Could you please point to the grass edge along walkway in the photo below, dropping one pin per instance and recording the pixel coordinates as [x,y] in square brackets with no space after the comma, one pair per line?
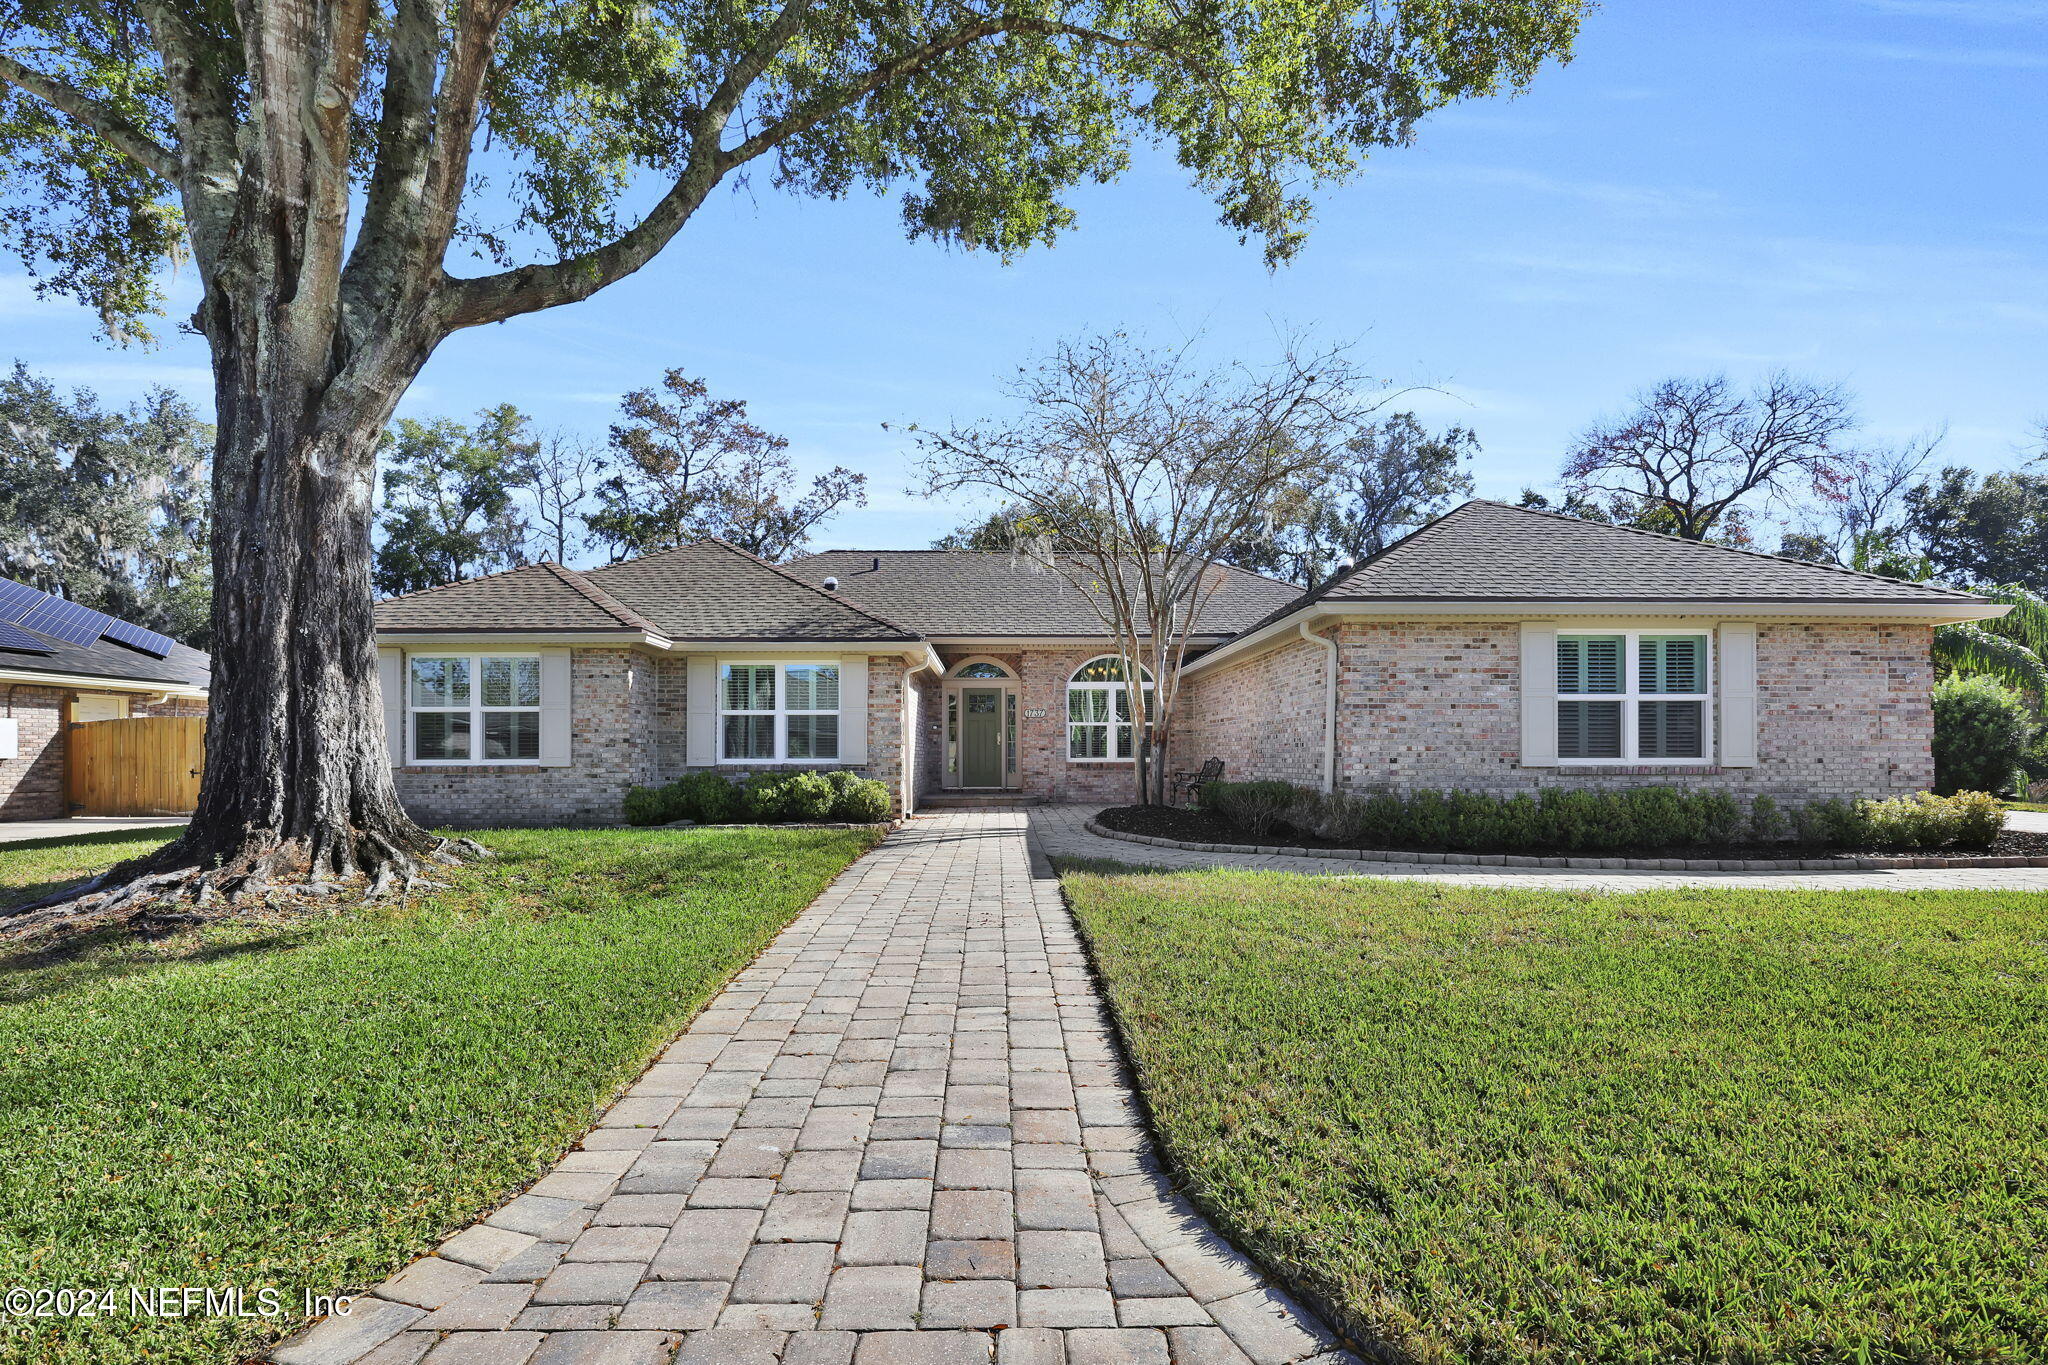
[306,1106]
[1481,1127]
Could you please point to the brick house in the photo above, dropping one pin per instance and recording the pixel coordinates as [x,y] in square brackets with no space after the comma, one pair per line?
[62,665]
[1496,649]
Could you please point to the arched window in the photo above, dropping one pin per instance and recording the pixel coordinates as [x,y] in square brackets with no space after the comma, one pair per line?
[1099,725]
[981,668]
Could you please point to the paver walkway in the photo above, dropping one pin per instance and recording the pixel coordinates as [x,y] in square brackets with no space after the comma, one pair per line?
[902,1136]
[1061,831]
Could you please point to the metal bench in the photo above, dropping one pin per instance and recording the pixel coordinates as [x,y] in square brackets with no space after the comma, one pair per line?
[1190,783]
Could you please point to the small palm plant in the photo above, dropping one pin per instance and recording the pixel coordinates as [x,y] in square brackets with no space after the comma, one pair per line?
[2013,649]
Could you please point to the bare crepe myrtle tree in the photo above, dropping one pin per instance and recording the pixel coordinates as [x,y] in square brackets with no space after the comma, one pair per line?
[1145,467]
[321,164]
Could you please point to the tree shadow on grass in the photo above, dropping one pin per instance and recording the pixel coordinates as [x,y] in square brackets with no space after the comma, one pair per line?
[114,953]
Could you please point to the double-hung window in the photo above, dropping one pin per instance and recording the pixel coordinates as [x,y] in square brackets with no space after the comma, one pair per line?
[1633,696]
[473,708]
[778,713]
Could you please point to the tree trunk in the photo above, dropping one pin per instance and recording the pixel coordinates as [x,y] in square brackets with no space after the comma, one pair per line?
[298,775]
[297,789]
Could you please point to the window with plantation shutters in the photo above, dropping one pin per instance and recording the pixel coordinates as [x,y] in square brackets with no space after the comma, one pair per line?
[1589,666]
[1630,696]
[778,713]
[473,708]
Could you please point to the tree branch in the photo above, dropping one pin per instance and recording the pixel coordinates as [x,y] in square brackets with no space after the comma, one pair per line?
[123,136]
[493,298]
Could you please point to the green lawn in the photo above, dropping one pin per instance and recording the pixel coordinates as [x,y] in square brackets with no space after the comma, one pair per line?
[1547,1127]
[309,1105]
[2027,805]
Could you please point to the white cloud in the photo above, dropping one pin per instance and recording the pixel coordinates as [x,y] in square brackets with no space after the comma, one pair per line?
[2007,58]
[1964,11]
[1634,200]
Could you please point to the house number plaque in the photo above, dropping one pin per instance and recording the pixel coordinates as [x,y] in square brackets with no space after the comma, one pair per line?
[1034,713]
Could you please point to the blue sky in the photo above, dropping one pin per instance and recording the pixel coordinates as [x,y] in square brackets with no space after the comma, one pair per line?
[1854,189]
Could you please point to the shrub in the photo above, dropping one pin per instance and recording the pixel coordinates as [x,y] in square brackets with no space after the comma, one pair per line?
[1982,734]
[1766,820]
[807,796]
[647,806]
[1969,819]
[1257,806]
[861,801]
[762,797]
[705,797]
[1832,823]
[1566,820]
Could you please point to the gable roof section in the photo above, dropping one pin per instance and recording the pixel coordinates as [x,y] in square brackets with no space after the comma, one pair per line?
[711,590]
[1489,551]
[975,594]
[533,597]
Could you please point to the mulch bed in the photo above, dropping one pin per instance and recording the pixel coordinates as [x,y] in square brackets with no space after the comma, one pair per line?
[1205,827]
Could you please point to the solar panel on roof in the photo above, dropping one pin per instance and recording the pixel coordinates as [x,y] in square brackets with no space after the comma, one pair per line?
[17,598]
[70,622]
[21,642]
[135,637]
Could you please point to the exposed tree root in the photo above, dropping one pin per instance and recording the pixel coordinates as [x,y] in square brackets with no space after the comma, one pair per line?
[182,883]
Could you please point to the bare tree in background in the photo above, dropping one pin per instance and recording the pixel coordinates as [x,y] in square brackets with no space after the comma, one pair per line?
[1148,467]
[1704,452]
[557,480]
[1866,518]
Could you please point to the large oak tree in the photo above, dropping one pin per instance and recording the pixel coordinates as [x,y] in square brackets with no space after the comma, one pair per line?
[329,164]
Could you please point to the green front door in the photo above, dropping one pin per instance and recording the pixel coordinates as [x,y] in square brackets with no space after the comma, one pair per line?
[981,737]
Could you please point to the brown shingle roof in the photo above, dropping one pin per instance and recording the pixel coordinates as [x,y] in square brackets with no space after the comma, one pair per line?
[710,590]
[966,592]
[536,597]
[1490,551]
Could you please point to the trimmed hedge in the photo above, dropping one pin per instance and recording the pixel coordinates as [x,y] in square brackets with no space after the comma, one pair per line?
[1567,820]
[707,798]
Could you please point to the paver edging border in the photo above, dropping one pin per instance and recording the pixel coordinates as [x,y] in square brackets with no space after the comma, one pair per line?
[1332,1316]
[1861,862]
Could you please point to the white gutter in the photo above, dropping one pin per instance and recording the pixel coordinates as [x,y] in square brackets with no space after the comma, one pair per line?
[1919,613]
[86,682]
[1329,702]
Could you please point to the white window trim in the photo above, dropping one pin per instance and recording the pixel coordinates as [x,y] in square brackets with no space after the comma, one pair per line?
[1112,723]
[1630,694]
[781,712]
[475,710]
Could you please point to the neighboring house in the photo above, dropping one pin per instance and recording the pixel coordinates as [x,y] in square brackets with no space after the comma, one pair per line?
[62,664]
[1496,649]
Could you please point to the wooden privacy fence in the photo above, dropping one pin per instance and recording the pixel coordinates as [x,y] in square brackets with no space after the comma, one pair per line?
[148,765]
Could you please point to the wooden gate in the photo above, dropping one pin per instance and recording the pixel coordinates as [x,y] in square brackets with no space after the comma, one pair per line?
[148,765]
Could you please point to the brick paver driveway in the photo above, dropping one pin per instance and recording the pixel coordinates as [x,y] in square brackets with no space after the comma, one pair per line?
[902,1136]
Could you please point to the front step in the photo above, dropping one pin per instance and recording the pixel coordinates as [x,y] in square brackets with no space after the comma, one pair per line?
[976,800]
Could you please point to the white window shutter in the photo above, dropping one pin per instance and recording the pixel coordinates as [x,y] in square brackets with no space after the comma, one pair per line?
[853,710]
[1738,694]
[700,702]
[556,694]
[1539,694]
[391,681]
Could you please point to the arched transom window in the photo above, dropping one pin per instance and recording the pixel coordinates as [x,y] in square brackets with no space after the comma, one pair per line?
[981,669]
[1099,711]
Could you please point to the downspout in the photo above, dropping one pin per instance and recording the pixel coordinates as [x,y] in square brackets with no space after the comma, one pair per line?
[908,747]
[1329,704]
